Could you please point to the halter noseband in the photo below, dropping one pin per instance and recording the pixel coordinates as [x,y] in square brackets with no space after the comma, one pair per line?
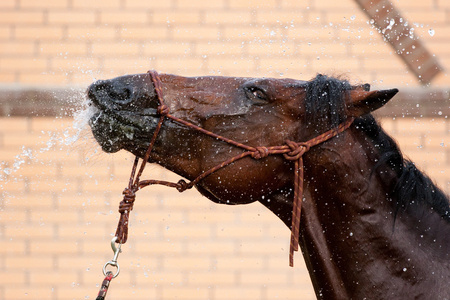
[291,151]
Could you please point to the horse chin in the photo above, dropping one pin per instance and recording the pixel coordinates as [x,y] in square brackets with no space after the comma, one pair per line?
[112,134]
[105,133]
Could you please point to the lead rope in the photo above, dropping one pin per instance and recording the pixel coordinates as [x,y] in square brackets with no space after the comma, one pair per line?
[105,285]
[126,205]
[291,151]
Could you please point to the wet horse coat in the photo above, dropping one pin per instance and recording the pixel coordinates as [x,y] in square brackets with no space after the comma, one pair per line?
[372,225]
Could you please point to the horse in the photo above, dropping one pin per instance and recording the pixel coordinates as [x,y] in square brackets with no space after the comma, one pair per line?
[373,226]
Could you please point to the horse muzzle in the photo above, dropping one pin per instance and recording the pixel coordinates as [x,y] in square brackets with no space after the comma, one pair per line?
[124,111]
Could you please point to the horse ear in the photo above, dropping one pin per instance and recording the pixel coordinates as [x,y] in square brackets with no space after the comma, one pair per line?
[362,102]
[365,87]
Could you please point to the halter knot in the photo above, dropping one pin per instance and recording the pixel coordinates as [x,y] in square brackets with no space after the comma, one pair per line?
[182,185]
[297,150]
[126,205]
[163,110]
[260,152]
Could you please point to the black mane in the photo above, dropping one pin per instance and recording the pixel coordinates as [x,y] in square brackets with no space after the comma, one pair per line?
[325,102]
[412,186]
[325,108]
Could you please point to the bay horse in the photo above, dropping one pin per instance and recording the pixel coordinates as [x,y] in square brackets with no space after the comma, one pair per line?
[372,225]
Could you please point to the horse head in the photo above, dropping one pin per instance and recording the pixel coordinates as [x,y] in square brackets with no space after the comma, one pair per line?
[251,111]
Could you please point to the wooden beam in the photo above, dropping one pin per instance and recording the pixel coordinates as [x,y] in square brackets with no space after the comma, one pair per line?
[400,35]
[65,102]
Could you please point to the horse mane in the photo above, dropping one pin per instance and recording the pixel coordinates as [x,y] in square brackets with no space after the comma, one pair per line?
[325,106]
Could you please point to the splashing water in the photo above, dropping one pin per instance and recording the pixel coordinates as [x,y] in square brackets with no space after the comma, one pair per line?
[18,161]
[51,139]
[81,120]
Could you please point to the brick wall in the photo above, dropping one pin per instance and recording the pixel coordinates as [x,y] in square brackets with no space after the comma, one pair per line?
[74,41]
[58,199]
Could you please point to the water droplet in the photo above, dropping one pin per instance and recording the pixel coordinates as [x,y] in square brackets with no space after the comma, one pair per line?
[404,269]
[431,32]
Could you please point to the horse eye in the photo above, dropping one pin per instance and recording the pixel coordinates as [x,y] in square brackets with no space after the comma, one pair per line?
[256,94]
[259,94]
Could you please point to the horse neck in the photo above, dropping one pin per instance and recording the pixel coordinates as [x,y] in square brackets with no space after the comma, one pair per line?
[350,237]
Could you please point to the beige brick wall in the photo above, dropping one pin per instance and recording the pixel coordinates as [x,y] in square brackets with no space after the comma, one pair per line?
[58,211]
[58,207]
[71,42]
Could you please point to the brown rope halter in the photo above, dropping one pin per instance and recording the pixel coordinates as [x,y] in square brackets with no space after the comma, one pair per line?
[291,151]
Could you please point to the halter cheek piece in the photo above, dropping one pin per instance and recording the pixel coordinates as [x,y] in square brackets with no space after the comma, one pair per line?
[291,151]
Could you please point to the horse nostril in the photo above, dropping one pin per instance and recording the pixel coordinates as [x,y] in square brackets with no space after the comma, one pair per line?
[98,86]
[95,88]
[122,94]
[114,95]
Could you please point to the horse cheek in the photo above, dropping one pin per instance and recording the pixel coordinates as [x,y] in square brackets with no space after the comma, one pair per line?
[246,181]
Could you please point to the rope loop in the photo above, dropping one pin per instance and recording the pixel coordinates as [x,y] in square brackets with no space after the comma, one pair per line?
[163,110]
[126,205]
[305,146]
[260,152]
[297,150]
[182,185]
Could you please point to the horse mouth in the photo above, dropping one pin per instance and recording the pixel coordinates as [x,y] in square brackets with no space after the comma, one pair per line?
[115,128]
[110,133]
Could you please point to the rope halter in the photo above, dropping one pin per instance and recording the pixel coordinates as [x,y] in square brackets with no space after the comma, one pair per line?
[291,151]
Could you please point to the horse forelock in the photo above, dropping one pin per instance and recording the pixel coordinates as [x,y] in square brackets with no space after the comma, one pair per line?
[325,101]
[412,186]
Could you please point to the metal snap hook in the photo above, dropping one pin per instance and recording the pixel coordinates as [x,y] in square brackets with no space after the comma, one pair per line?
[113,262]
